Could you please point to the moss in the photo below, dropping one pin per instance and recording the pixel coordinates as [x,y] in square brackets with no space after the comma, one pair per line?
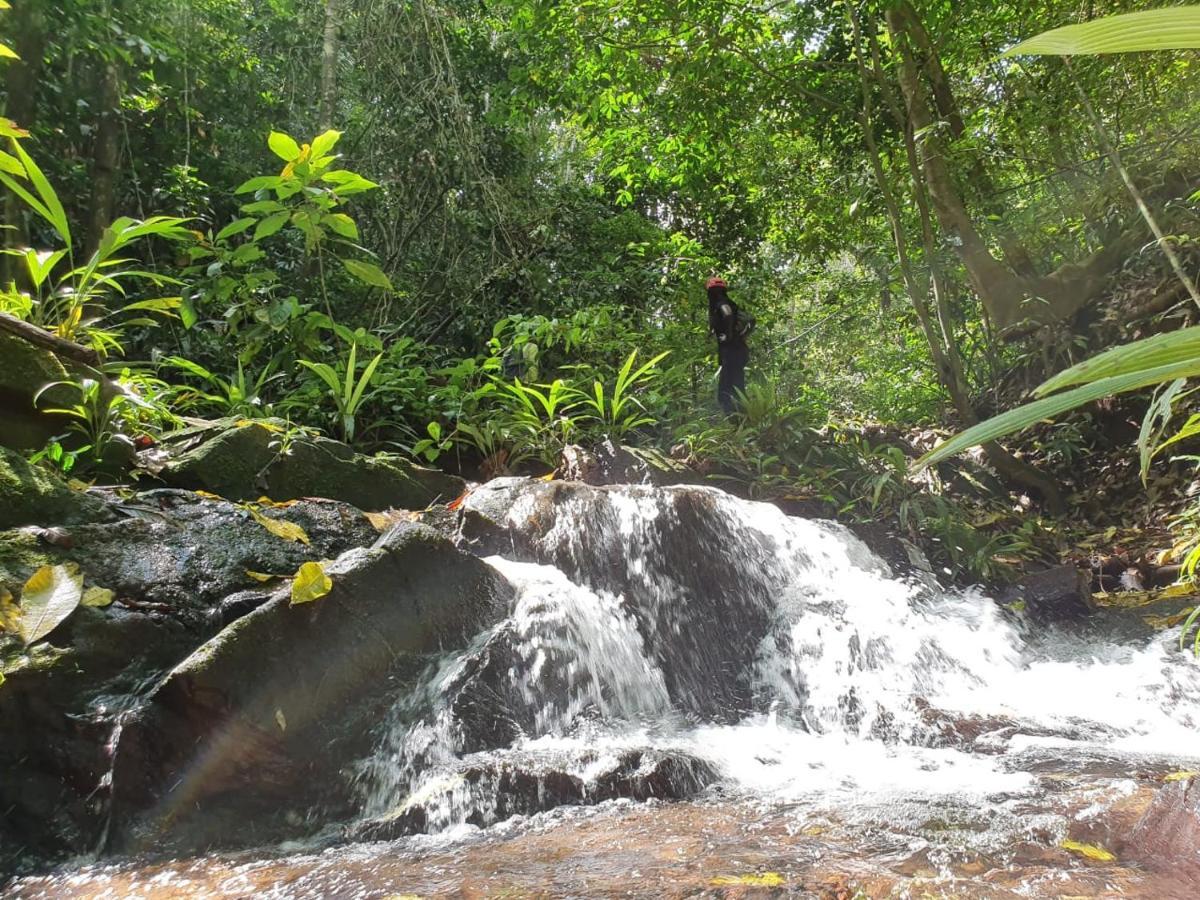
[228,464]
[30,495]
[21,554]
[240,464]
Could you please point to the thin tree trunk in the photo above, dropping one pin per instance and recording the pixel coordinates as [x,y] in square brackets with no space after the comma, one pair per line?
[106,155]
[942,344]
[998,288]
[329,58]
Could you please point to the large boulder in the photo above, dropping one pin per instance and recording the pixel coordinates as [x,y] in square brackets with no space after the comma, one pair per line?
[249,459]
[1167,837]
[25,371]
[666,553]
[609,463]
[1059,594]
[245,740]
[178,564]
[31,495]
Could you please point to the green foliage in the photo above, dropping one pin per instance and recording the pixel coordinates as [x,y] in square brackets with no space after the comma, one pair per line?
[1175,28]
[347,388]
[617,410]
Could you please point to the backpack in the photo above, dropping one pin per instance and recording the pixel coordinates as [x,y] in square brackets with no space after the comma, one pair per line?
[744,324]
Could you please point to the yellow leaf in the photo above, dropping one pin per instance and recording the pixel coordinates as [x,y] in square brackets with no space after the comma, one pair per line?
[269,426]
[275,504]
[289,531]
[76,485]
[379,521]
[1180,776]
[311,583]
[7,52]
[49,596]
[280,720]
[10,613]
[205,495]
[766,879]
[97,596]
[262,577]
[549,476]
[1185,589]
[1091,851]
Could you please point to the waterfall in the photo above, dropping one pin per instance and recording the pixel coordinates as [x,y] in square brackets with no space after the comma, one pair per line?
[662,640]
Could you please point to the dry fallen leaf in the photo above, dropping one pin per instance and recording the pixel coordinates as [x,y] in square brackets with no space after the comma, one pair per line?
[311,583]
[1090,851]
[289,531]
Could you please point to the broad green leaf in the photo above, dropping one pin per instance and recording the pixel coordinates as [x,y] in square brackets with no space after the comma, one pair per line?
[340,223]
[325,142]
[237,226]
[1175,28]
[368,273]
[283,146]
[1090,851]
[262,182]
[348,183]
[159,304]
[311,583]
[289,531]
[263,206]
[50,595]
[1031,413]
[270,225]
[1159,350]
[10,129]
[97,597]
[325,373]
[187,313]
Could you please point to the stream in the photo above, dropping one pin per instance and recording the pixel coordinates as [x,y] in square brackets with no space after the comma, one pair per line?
[693,693]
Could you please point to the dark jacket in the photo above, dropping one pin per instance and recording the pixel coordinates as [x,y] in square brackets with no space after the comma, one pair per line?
[722,319]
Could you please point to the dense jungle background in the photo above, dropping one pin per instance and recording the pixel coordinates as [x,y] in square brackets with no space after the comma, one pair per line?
[477,233]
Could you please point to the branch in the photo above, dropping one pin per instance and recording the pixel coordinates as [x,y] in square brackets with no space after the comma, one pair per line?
[45,339]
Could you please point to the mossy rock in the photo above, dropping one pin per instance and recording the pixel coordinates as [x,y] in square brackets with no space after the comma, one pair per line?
[245,462]
[30,495]
[26,370]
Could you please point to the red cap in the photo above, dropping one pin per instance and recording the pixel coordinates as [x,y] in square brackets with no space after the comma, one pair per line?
[715,281]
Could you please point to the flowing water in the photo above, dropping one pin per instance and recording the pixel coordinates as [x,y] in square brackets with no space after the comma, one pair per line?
[823,728]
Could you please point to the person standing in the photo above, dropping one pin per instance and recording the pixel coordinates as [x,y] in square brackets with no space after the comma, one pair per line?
[732,351]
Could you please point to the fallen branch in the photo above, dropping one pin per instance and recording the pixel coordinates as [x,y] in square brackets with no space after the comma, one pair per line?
[60,346]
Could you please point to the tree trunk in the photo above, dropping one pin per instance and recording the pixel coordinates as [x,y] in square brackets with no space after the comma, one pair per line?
[106,155]
[329,58]
[1000,291]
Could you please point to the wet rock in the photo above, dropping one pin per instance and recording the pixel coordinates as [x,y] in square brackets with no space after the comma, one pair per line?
[172,559]
[258,722]
[1167,837]
[700,616]
[903,557]
[31,495]
[243,462]
[181,554]
[609,463]
[487,788]
[1060,594]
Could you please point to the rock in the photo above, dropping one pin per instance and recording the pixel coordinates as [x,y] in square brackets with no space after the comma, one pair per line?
[903,557]
[182,554]
[254,727]
[1060,594]
[1167,837]
[486,788]
[243,462]
[700,617]
[174,568]
[608,463]
[26,369]
[31,495]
